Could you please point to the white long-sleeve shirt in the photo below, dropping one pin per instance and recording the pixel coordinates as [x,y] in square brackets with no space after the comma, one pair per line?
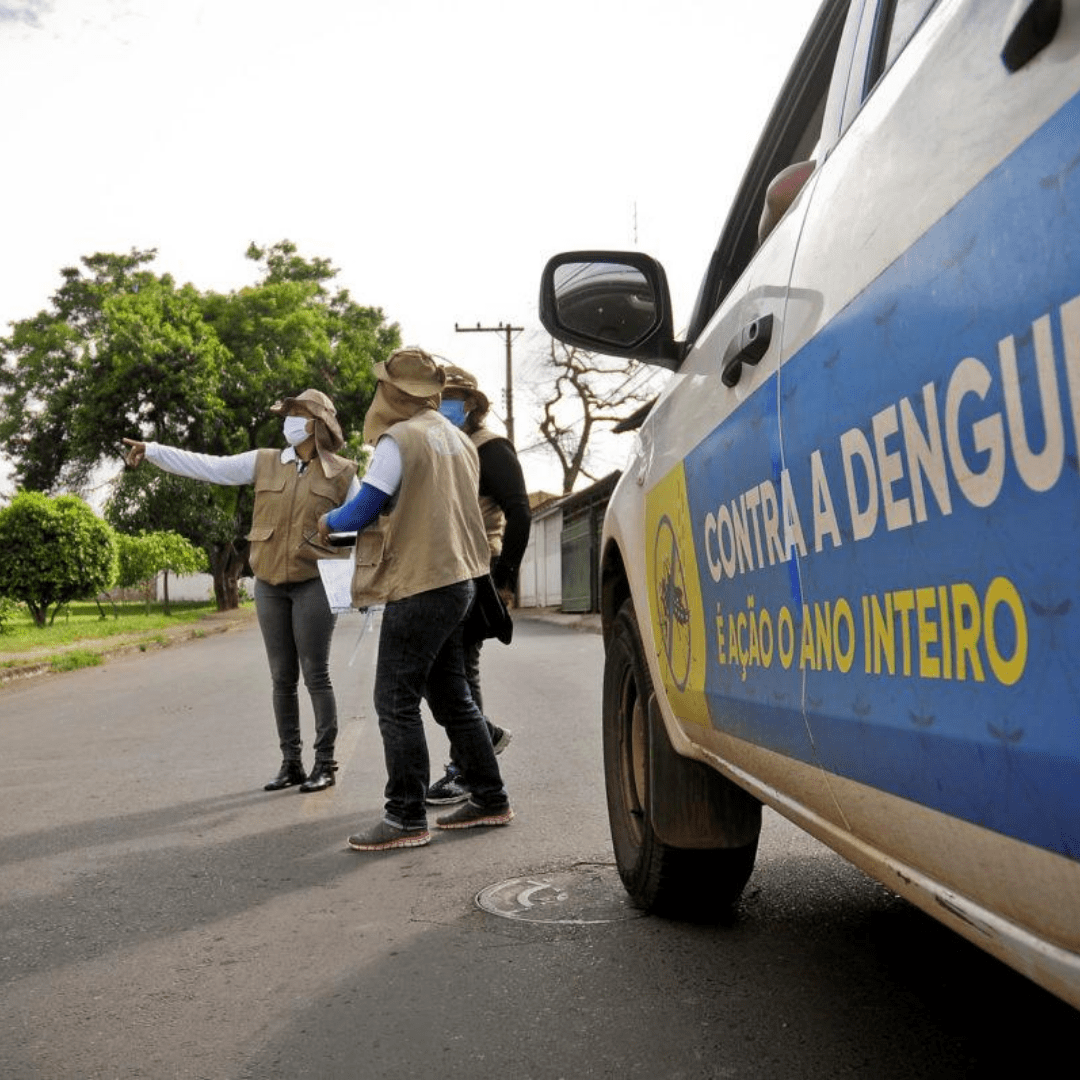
[231,471]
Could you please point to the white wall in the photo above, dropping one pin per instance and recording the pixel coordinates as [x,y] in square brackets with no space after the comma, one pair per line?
[540,576]
[194,587]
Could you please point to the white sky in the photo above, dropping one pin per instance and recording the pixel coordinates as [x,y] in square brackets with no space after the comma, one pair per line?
[436,151]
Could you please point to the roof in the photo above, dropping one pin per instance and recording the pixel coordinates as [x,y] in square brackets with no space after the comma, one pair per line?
[594,493]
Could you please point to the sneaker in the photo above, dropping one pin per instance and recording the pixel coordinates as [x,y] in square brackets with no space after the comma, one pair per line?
[500,740]
[470,816]
[383,836]
[450,789]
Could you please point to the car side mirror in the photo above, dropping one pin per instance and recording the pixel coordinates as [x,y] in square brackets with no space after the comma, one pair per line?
[611,302]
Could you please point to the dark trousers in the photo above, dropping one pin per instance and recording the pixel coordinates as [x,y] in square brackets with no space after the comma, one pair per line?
[421,654]
[472,677]
[297,624]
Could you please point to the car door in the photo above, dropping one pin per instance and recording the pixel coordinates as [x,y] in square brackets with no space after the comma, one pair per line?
[929,414]
[718,573]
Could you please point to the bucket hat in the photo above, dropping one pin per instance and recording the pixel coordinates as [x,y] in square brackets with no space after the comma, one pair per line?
[413,372]
[459,379]
[318,406]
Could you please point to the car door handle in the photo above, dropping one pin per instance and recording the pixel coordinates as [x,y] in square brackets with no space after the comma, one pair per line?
[1031,33]
[747,347]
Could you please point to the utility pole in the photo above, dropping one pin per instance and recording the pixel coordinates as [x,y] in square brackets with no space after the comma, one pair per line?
[506,330]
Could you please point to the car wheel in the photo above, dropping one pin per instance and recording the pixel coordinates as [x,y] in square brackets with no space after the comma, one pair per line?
[693,883]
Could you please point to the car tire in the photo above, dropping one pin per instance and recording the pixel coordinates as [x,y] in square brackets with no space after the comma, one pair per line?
[689,883]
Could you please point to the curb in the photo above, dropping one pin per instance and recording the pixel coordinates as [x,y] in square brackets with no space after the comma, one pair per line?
[589,623]
[218,622]
[222,621]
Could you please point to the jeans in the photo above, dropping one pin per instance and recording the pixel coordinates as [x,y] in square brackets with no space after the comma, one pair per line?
[421,654]
[472,670]
[472,677]
[297,623]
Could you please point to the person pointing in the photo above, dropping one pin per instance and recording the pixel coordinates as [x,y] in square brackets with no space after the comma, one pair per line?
[293,487]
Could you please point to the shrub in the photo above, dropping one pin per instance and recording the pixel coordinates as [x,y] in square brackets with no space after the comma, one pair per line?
[52,551]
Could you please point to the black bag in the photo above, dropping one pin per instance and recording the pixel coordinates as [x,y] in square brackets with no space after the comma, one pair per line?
[488,616]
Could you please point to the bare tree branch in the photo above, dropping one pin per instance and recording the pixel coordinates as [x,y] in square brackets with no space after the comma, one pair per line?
[588,393]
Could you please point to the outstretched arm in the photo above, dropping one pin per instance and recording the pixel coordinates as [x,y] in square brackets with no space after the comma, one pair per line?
[234,470]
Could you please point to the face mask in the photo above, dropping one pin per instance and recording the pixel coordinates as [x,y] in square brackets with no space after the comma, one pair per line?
[296,429]
[454,411]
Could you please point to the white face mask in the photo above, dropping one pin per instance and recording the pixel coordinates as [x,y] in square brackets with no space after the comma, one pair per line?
[296,429]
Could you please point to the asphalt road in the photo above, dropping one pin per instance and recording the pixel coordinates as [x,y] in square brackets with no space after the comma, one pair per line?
[163,917]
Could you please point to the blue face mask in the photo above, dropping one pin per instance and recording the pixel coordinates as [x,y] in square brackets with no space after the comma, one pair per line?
[454,411]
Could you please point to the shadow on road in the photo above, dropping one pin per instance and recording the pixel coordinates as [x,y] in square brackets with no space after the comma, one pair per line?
[796,985]
[114,883]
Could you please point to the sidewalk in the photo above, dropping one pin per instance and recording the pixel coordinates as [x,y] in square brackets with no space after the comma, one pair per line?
[25,665]
[589,623]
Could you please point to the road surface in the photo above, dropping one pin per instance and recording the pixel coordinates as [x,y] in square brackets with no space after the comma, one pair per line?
[163,917]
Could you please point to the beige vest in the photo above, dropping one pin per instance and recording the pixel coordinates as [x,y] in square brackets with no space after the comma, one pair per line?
[433,535]
[494,518]
[288,506]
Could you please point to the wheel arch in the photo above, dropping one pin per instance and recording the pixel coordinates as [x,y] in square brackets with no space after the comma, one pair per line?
[614,586]
[691,805]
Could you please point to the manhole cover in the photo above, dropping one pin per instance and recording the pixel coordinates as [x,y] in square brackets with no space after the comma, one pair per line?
[580,895]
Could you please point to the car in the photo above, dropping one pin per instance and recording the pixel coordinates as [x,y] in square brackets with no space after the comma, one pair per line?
[839,574]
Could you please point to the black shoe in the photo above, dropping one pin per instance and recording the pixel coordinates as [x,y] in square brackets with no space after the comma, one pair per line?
[322,776]
[450,789]
[291,772]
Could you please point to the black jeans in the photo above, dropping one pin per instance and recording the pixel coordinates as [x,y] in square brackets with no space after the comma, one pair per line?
[472,677]
[421,654]
[297,624]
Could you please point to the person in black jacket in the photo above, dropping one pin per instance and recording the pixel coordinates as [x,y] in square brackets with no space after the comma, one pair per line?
[507,519]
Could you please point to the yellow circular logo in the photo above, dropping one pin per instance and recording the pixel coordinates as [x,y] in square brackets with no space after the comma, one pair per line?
[672,611]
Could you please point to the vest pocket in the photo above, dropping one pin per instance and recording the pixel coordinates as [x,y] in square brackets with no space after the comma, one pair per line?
[312,549]
[270,483]
[370,545]
[325,489]
[258,535]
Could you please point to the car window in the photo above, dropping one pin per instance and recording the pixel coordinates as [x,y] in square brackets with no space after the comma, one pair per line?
[792,132]
[897,22]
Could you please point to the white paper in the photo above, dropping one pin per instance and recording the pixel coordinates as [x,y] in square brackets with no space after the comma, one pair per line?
[337,577]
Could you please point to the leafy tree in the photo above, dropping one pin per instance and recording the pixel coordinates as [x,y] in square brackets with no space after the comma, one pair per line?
[53,551]
[145,556]
[8,610]
[122,351]
[120,346]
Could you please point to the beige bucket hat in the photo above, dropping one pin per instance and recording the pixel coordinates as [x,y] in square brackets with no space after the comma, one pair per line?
[413,372]
[316,405]
[459,379]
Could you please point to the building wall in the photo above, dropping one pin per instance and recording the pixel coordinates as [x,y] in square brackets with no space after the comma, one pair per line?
[540,576]
[194,587]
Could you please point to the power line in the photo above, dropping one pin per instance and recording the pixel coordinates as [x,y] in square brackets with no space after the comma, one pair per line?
[506,330]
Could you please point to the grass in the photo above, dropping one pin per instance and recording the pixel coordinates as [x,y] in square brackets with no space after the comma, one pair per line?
[83,622]
[77,658]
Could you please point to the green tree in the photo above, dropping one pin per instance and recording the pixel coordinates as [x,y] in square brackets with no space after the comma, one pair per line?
[145,556]
[118,346]
[53,551]
[122,351]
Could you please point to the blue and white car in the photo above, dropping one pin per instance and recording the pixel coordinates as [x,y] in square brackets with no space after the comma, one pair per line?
[840,572]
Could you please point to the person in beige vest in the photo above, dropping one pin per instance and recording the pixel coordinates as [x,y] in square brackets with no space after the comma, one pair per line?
[420,546]
[504,503]
[293,488]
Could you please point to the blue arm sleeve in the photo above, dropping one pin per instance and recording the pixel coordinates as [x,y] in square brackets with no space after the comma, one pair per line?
[358,512]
